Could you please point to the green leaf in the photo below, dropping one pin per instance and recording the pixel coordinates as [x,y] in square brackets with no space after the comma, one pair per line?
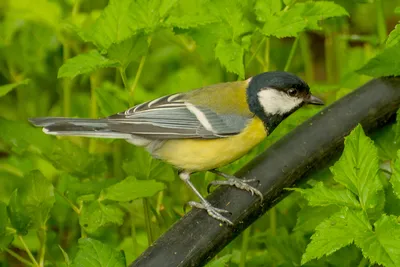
[382,245]
[336,232]
[358,167]
[320,195]
[19,218]
[230,54]
[114,25]
[94,253]
[37,197]
[384,64]
[131,189]
[65,255]
[128,50]
[96,214]
[3,218]
[5,89]
[395,178]
[308,218]
[266,8]
[85,63]
[143,166]
[394,36]
[165,7]
[299,17]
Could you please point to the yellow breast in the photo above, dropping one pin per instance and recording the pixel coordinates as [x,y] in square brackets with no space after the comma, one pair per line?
[202,154]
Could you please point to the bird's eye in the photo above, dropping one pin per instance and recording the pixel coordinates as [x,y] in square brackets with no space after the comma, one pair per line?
[292,92]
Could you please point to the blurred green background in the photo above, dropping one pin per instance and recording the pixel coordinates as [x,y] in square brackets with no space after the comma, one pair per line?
[87,58]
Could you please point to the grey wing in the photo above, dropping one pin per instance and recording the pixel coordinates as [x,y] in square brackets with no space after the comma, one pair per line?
[173,117]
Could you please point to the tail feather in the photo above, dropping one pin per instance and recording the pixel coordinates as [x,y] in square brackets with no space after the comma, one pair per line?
[77,127]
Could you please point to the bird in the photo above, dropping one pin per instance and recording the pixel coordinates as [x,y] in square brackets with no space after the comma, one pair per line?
[202,129]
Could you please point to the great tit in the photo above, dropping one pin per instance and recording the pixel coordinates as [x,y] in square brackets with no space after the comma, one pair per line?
[200,130]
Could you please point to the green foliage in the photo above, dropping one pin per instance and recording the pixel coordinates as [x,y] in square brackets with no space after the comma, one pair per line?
[97,58]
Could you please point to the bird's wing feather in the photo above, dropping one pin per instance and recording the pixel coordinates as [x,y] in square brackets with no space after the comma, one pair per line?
[175,117]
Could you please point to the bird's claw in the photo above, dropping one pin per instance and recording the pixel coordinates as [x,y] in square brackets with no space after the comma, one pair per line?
[239,183]
[212,211]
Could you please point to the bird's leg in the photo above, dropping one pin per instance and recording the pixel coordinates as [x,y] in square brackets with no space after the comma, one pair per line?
[204,204]
[234,181]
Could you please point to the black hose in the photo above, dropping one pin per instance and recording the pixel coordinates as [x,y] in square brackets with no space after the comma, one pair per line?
[197,238]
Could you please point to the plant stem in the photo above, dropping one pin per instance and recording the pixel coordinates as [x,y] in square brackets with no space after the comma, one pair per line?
[93,107]
[133,236]
[139,71]
[291,54]
[66,83]
[245,246]
[255,52]
[330,58]
[18,257]
[272,220]
[123,77]
[28,251]
[307,57]
[267,55]
[117,159]
[149,230]
[42,237]
[381,25]
[76,6]
[75,208]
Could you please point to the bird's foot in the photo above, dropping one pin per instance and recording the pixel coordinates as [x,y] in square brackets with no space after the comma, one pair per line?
[212,211]
[236,182]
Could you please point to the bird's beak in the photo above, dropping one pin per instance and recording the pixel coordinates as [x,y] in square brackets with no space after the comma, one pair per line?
[314,100]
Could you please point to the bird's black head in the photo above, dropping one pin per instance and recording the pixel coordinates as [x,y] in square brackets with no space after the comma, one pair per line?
[272,96]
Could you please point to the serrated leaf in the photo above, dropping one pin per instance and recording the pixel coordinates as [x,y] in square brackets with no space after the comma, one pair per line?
[5,89]
[37,197]
[266,8]
[145,167]
[96,214]
[394,36]
[358,167]
[19,218]
[85,63]
[308,218]
[299,17]
[94,253]
[395,178]
[382,245]
[165,7]
[128,50]
[321,195]
[131,189]
[336,232]
[230,54]
[384,64]
[114,25]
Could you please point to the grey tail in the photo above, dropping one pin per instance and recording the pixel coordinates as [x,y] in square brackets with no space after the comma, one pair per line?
[77,127]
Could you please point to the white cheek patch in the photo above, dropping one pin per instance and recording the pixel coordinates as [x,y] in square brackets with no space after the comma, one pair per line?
[277,102]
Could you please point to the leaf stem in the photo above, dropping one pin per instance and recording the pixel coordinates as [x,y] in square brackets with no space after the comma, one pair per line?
[267,55]
[18,257]
[255,52]
[245,246]
[75,208]
[330,58]
[28,251]
[122,72]
[291,54]
[149,230]
[381,25]
[66,83]
[139,71]
[93,107]
[272,220]
[42,237]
